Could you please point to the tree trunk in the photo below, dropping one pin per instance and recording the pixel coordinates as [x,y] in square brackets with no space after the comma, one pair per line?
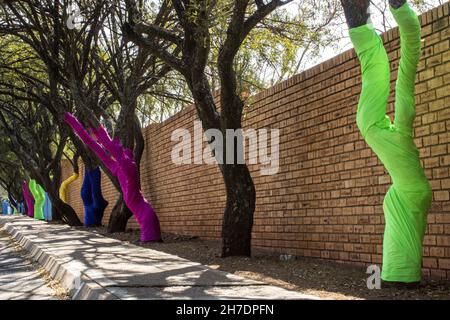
[139,144]
[119,216]
[56,215]
[65,211]
[11,200]
[240,206]
[129,131]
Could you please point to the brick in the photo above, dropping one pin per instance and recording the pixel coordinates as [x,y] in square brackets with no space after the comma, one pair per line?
[441,46]
[438,273]
[430,263]
[444,160]
[426,74]
[440,173]
[443,241]
[444,264]
[437,81]
[441,195]
[443,91]
[430,62]
[442,69]
[437,252]
[438,150]
[436,128]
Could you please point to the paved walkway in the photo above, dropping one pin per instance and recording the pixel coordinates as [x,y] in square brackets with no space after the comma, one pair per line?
[92,266]
[18,277]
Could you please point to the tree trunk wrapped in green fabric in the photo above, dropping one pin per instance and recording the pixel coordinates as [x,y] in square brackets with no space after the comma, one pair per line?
[409,197]
[39,198]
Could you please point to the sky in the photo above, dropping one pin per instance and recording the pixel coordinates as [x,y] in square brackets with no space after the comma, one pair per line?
[377,20]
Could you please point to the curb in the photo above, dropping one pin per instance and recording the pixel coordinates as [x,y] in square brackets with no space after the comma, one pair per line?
[56,255]
[80,287]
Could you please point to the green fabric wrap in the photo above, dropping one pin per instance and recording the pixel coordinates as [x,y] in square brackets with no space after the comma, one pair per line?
[39,198]
[408,199]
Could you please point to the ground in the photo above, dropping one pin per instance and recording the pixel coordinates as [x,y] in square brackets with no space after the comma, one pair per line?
[22,279]
[317,277]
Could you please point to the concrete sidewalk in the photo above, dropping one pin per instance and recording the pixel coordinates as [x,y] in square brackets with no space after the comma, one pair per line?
[19,280]
[92,266]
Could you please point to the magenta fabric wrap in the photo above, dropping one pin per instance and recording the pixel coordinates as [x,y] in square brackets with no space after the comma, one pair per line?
[121,163]
[29,199]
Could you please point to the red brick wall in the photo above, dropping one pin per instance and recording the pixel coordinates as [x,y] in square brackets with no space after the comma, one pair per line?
[326,200]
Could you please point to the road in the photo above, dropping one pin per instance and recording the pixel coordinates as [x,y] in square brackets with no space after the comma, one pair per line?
[19,279]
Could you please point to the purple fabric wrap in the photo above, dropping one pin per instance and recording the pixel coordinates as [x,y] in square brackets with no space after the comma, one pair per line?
[122,165]
[29,199]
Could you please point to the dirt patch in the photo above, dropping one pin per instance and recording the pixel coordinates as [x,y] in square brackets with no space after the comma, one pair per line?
[59,292]
[325,279]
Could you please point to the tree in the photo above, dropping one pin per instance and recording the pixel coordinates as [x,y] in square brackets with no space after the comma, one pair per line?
[25,101]
[34,138]
[11,171]
[71,79]
[126,72]
[191,32]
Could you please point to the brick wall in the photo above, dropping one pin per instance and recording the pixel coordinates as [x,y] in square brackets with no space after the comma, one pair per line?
[326,200]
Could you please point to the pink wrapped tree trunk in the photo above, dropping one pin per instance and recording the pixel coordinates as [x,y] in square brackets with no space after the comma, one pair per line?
[120,161]
[29,199]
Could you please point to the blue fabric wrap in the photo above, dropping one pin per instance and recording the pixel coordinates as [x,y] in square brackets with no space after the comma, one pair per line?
[99,203]
[86,196]
[93,201]
[47,208]
[5,207]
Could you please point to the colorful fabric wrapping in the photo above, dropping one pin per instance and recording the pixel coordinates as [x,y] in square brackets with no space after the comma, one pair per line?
[65,186]
[29,199]
[93,201]
[121,164]
[5,206]
[39,198]
[47,208]
[408,199]
[10,209]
